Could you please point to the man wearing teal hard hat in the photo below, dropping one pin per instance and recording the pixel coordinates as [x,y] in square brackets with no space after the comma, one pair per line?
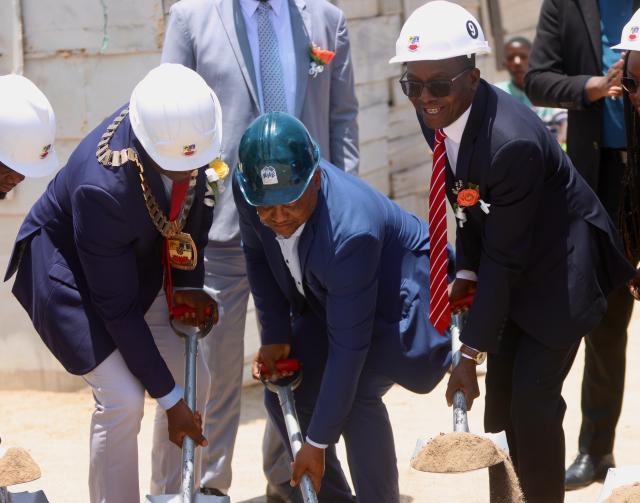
[340,276]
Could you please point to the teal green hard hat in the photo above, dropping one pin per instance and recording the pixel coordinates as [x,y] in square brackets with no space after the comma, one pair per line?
[277,159]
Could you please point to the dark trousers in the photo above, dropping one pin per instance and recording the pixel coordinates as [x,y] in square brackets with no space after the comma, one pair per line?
[605,347]
[523,398]
[367,432]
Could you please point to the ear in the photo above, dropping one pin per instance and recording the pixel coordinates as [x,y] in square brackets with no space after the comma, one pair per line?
[474,75]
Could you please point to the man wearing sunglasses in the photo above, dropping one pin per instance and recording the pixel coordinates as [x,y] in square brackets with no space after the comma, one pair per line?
[573,65]
[532,241]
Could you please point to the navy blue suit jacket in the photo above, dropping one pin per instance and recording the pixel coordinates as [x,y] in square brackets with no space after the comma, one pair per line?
[547,254]
[365,274]
[88,261]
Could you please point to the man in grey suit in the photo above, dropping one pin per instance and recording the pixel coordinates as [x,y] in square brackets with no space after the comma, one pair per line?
[256,55]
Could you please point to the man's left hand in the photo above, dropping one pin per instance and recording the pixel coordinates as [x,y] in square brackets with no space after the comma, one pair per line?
[200,301]
[463,378]
[309,460]
[634,285]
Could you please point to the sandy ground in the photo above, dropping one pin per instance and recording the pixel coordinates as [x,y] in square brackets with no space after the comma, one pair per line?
[55,429]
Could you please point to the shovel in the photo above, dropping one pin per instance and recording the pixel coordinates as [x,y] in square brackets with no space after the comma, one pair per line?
[460,451]
[287,403]
[617,478]
[17,467]
[191,335]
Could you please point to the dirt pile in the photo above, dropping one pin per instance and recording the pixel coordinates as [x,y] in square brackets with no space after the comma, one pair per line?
[625,494]
[463,452]
[17,466]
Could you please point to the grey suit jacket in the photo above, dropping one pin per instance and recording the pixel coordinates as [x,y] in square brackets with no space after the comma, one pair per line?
[209,36]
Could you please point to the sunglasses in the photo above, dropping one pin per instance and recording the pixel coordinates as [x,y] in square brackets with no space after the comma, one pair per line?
[630,85]
[437,88]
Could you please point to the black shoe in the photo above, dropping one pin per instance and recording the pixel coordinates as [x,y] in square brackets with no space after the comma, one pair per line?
[586,470]
[283,493]
[208,491]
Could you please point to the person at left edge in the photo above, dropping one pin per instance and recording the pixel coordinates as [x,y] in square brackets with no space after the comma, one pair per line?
[340,277]
[27,132]
[88,264]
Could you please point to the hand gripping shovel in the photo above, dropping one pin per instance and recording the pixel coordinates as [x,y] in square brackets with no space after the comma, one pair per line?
[191,336]
[287,403]
[460,451]
[18,467]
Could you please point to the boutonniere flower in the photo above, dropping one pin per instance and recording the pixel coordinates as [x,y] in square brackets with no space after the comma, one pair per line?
[467,197]
[319,59]
[215,174]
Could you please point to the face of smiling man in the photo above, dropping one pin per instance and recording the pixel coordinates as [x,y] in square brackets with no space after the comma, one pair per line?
[8,178]
[440,112]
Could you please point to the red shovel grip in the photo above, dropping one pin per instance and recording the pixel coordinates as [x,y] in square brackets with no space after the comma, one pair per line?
[288,365]
[463,302]
[182,309]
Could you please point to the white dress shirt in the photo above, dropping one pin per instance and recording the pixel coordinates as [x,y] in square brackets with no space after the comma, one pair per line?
[281,20]
[289,248]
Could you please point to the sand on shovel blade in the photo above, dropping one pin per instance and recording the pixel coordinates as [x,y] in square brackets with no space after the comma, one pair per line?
[625,494]
[463,452]
[17,466]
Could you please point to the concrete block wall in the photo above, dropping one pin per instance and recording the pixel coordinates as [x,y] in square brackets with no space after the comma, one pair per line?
[88,70]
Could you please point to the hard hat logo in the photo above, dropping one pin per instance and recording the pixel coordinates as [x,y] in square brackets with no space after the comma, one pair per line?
[414,43]
[633,32]
[472,29]
[269,176]
[189,150]
[45,151]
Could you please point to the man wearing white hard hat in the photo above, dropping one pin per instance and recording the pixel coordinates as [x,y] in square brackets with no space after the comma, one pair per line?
[92,253]
[27,132]
[532,241]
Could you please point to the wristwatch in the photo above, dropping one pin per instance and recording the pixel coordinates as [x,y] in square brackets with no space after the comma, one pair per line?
[477,356]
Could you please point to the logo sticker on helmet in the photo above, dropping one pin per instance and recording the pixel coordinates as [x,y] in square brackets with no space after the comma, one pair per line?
[269,175]
[414,43]
[472,29]
[189,150]
[45,151]
[633,32]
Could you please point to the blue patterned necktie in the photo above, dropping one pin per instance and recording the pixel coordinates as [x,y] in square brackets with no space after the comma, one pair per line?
[273,94]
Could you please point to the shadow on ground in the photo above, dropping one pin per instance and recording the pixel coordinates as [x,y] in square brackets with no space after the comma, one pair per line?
[261,499]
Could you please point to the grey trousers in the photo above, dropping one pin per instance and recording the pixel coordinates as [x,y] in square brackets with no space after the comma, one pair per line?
[223,349]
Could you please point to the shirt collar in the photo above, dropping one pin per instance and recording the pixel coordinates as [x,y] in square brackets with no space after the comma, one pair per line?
[455,130]
[295,235]
[251,6]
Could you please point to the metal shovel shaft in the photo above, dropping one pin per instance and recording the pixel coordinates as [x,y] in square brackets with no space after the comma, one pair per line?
[285,396]
[460,422]
[188,447]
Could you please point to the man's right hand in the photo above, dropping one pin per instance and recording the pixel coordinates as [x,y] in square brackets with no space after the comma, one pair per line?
[267,357]
[465,379]
[460,288]
[609,85]
[183,422]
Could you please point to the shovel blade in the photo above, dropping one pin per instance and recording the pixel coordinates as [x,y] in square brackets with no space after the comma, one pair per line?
[197,498]
[500,439]
[618,477]
[37,497]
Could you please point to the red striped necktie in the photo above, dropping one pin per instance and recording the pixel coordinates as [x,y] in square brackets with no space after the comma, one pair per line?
[439,314]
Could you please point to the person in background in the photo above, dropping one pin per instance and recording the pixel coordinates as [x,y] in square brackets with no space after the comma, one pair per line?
[516,61]
[573,65]
[259,56]
[629,214]
[27,133]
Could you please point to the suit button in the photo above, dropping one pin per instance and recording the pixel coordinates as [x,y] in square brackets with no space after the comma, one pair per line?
[596,146]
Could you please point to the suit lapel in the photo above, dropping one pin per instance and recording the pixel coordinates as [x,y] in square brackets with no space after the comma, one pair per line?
[591,14]
[471,130]
[301,30]
[233,22]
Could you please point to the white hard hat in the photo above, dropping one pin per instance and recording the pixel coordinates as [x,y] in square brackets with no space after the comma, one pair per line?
[27,128]
[439,30]
[177,118]
[630,38]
